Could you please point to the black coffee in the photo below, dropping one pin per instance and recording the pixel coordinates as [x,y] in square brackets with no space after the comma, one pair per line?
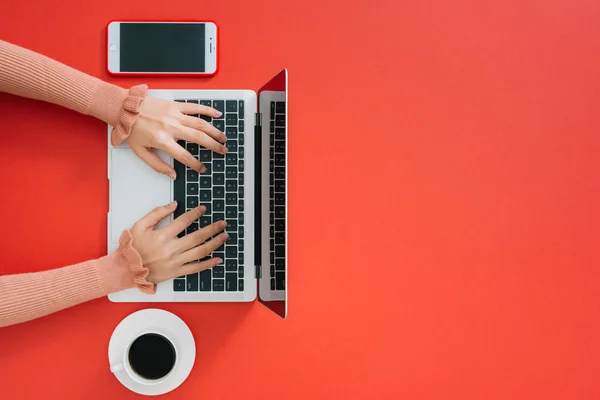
[152,356]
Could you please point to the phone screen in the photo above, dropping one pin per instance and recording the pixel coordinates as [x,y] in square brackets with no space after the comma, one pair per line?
[163,47]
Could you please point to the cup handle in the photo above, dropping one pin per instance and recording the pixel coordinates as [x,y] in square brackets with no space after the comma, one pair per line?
[116,368]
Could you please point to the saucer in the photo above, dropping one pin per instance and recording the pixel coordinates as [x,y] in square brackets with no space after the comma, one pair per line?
[155,320]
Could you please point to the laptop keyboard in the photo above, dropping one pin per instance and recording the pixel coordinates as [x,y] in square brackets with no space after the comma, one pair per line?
[221,190]
[277,194]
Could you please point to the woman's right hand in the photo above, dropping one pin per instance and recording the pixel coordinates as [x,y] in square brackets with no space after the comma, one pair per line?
[164,254]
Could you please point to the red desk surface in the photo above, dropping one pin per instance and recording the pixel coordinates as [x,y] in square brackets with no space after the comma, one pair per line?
[444,197]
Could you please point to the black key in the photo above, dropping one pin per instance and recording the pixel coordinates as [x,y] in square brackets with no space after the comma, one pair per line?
[219,179]
[271,165]
[232,145]
[231,106]
[179,285]
[280,238]
[205,155]
[241,178]
[217,156]
[208,103]
[232,225]
[241,259]
[280,120]
[279,147]
[272,206]
[272,258]
[272,231]
[205,182]
[205,221]
[232,239]
[279,160]
[218,192]
[271,179]
[241,283]
[241,152]
[241,165]
[272,140]
[230,212]
[241,231]
[219,205]
[232,133]
[231,265]
[192,148]
[231,251]
[231,173]
[271,191]
[208,168]
[272,218]
[271,152]
[241,272]
[280,199]
[272,283]
[241,205]
[192,189]
[195,102]
[272,271]
[208,208]
[219,165]
[279,212]
[180,101]
[231,282]
[205,196]
[280,225]
[241,244]
[219,254]
[191,202]
[192,283]
[272,110]
[241,192]
[192,176]
[205,284]
[280,172]
[241,124]
[218,271]
[241,108]
[280,280]
[192,228]
[280,133]
[241,139]
[218,285]
[218,217]
[279,251]
[231,159]
[219,124]
[219,105]
[231,119]
[231,185]
[279,186]
[280,107]
[241,218]
[272,126]
[280,264]
[272,245]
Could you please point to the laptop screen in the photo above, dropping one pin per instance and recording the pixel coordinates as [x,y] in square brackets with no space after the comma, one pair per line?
[273,109]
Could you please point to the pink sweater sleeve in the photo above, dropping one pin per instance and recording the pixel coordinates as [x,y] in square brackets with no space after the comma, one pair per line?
[27,296]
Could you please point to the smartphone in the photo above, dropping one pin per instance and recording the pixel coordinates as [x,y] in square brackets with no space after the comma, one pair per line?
[180,48]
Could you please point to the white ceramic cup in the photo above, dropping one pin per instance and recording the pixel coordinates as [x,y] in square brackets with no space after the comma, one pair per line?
[125,365]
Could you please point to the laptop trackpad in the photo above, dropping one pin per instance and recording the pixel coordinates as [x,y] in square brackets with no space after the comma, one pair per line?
[135,189]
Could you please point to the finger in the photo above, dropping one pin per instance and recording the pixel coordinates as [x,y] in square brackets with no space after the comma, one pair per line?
[182,155]
[183,221]
[192,135]
[154,161]
[192,108]
[203,250]
[201,125]
[193,267]
[150,220]
[201,235]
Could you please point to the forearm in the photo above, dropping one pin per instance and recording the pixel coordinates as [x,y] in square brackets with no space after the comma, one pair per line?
[25,297]
[29,74]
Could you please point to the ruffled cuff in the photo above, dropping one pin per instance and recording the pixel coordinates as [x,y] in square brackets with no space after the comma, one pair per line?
[123,269]
[129,114]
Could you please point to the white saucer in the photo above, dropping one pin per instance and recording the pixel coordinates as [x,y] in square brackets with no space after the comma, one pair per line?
[161,321]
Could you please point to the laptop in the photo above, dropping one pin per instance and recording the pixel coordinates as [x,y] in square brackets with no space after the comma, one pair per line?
[247,187]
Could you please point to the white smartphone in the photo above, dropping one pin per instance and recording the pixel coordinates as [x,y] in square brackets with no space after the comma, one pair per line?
[181,48]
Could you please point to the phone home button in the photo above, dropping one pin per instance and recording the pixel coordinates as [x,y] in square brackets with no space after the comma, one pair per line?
[113,47]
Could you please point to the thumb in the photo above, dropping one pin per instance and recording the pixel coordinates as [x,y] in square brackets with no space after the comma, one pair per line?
[154,161]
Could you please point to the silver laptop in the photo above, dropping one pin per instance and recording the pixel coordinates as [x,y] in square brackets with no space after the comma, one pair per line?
[247,187]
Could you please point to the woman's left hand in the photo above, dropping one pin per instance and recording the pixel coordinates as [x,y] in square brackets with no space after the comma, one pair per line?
[161,123]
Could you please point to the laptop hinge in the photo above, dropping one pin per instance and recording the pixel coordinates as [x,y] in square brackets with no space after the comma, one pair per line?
[257,192]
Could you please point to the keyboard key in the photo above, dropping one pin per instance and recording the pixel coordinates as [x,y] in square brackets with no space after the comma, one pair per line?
[280,160]
[231,172]
[208,208]
[218,217]
[271,152]
[205,182]
[280,120]
[218,192]
[272,231]
[231,265]
[241,218]
[179,285]
[192,283]
[192,228]
[205,155]
[180,101]
[272,258]
[231,119]
[231,251]
[232,239]
[272,206]
[231,185]
[230,212]
[280,264]
[241,140]
[279,251]
[280,172]
[272,126]
[241,152]
[219,105]
[241,108]
[280,225]
[272,245]
[241,205]
[232,225]
[218,271]
[208,103]
[219,179]
[241,232]
[279,212]
[280,238]
[279,186]
[241,259]
[205,196]
[192,189]
[231,159]
[241,192]
[219,254]
[272,114]
[191,202]
[218,285]
[280,107]
[241,272]
[219,124]
[241,166]
[272,140]
[219,205]
[280,133]
[219,165]
[208,168]
[192,176]
[231,282]
[205,221]
[271,191]
[272,179]
[279,199]
[272,271]
[232,133]
[192,148]
[232,145]
[241,283]
[272,283]
[280,280]
[272,218]
[205,281]
[241,244]
[231,106]
[279,146]
[241,124]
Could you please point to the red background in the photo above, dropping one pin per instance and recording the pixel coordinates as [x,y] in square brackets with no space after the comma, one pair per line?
[444,190]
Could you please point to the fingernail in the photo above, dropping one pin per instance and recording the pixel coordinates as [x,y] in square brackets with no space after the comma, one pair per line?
[172,204]
[202,208]
[218,113]
[224,138]
[202,169]
[172,175]
[224,149]
[224,236]
[223,224]
[219,261]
